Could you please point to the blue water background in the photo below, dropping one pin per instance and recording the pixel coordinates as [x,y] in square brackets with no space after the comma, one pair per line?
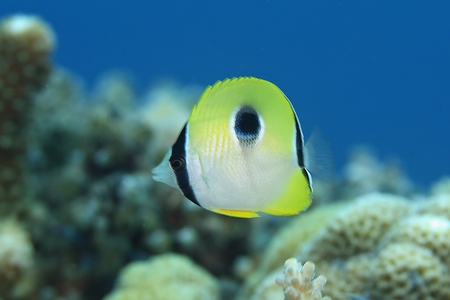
[365,72]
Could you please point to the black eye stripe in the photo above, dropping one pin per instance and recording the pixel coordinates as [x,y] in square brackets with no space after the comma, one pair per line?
[247,125]
[178,165]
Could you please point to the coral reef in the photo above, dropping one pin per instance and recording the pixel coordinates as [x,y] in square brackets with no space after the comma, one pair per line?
[85,164]
[78,204]
[380,247]
[165,277]
[285,243]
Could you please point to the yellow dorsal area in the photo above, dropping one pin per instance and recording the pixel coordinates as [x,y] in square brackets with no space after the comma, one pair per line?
[217,103]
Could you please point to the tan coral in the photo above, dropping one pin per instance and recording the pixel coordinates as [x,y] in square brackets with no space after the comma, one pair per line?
[25,46]
[267,289]
[382,247]
[299,231]
[165,277]
[165,110]
[357,229]
[408,271]
[285,243]
[429,231]
[442,187]
[16,257]
[438,205]
[334,234]
[348,277]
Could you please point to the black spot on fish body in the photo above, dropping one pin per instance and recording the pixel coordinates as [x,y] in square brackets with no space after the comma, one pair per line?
[247,125]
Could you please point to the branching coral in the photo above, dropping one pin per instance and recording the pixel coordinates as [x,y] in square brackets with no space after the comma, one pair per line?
[299,282]
[25,46]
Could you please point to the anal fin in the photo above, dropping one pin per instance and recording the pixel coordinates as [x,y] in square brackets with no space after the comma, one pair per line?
[236,213]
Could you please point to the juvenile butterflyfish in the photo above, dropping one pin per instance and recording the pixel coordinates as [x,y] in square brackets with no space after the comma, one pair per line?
[241,152]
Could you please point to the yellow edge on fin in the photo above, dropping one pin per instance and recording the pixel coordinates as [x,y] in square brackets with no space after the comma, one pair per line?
[236,213]
[296,197]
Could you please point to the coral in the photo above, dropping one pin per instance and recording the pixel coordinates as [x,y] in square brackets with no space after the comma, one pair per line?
[409,271]
[380,247]
[429,231]
[299,282]
[297,232]
[267,289]
[348,277]
[167,276]
[166,109]
[90,160]
[26,43]
[16,257]
[438,205]
[442,187]
[357,229]
[286,240]
[364,174]
[75,182]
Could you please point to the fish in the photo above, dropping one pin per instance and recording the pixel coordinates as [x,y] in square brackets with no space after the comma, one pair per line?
[241,152]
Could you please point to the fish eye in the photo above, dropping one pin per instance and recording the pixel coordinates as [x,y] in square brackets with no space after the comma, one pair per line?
[177,164]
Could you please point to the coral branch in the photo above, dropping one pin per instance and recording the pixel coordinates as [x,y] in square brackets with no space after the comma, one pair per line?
[299,282]
[25,45]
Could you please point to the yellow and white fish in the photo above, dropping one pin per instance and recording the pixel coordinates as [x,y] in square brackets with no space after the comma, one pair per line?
[241,152]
